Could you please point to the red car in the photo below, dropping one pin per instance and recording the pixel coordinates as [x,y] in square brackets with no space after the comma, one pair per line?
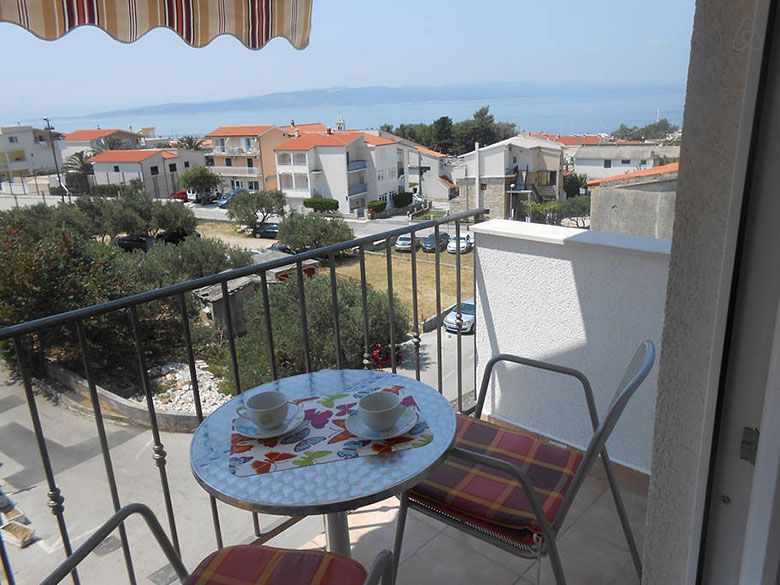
[178,196]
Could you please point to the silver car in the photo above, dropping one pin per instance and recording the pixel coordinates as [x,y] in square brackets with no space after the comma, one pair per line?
[467,315]
[404,243]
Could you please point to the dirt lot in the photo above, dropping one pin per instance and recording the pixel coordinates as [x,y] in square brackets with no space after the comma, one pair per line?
[226,232]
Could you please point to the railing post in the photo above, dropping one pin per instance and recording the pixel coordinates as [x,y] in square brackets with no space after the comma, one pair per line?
[335,305]
[458,316]
[366,355]
[304,322]
[416,335]
[440,385]
[390,308]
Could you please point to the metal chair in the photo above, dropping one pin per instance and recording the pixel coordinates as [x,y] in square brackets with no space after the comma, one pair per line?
[514,490]
[250,564]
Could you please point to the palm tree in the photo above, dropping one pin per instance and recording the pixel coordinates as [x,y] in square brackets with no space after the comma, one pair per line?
[109,143]
[77,171]
[190,143]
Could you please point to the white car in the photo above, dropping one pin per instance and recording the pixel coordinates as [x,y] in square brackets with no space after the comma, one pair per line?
[462,245]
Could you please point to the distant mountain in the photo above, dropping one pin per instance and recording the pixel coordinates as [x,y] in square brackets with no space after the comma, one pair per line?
[379,95]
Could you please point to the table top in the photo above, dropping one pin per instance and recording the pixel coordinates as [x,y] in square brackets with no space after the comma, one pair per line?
[330,487]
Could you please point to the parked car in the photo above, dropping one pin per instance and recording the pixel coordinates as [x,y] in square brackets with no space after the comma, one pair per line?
[175,236]
[404,243]
[281,247]
[267,230]
[223,201]
[431,245]
[461,245]
[130,243]
[466,314]
[178,196]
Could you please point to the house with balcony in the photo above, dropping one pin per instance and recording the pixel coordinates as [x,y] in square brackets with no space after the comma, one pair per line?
[243,156]
[502,175]
[350,167]
[432,172]
[158,169]
[90,141]
[25,150]
[599,161]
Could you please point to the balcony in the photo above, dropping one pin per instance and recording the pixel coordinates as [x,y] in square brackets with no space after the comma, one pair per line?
[235,151]
[356,165]
[236,171]
[357,189]
[91,461]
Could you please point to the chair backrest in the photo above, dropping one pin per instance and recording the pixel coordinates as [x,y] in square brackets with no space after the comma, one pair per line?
[638,369]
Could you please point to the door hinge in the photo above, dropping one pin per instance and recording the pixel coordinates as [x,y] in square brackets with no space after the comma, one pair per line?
[749,445]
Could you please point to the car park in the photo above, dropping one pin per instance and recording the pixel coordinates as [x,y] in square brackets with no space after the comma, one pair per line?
[431,245]
[404,243]
[139,242]
[467,315]
[175,236]
[460,245]
[267,230]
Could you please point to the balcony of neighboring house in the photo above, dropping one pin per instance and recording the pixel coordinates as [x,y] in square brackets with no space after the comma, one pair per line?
[356,165]
[579,323]
[358,189]
[237,171]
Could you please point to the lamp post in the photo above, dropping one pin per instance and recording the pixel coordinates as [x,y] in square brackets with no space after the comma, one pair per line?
[49,127]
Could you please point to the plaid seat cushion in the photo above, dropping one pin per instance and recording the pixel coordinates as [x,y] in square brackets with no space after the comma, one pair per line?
[490,498]
[263,565]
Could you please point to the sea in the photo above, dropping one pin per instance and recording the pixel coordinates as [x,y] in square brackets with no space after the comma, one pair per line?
[565,114]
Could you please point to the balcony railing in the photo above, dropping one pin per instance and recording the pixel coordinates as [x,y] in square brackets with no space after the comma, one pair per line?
[235,151]
[19,334]
[237,171]
[357,189]
[356,165]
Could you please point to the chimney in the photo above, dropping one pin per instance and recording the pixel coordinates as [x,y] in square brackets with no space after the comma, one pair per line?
[297,133]
[292,123]
[330,131]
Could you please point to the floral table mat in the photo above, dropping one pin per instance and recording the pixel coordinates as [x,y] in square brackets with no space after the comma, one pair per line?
[322,437]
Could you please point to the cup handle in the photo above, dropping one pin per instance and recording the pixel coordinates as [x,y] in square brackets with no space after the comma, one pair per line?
[241,411]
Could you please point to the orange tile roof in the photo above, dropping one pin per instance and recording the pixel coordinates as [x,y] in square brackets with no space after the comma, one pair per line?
[239,130]
[430,152]
[90,134]
[670,168]
[572,140]
[309,141]
[377,140]
[447,182]
[169,154]
[315,128]
[123,155]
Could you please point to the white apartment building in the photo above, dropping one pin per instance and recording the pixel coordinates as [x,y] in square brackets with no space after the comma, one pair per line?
[351,167]
[24,150]
[158,169]
[436,181]
[606,160]
[89,140]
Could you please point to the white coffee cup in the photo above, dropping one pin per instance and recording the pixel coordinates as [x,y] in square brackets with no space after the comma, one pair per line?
[266,409]
[379,411]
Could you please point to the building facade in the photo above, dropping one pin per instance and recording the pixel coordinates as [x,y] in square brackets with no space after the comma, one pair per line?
[90,141]
[606,160]
[25,150]
[158,169]
[243,156]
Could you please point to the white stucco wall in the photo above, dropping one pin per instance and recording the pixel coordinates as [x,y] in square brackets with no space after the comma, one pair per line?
[578,298]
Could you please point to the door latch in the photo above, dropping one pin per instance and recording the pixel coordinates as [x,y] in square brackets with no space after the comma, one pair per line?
[749,445]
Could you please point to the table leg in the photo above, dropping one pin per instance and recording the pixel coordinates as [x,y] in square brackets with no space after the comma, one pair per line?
[337,533]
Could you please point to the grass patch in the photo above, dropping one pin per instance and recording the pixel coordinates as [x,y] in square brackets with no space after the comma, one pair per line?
[431,214]
[216,229]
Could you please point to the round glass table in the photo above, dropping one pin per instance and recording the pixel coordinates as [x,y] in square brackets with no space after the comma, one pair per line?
[330,488]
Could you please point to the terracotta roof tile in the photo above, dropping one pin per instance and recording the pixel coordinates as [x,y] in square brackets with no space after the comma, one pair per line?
[123,155]
[309,141]
[239,130]
[670,168]
[169,154]
[447,182]
[571,140]
[90,134]
[315,128]
[378,140]
[430,152]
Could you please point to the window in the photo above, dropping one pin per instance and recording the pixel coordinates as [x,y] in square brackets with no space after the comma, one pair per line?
[301,182]
[250,163]
[483,187]
[116,168]
[546,178]
[239,184]
[514,160]
[154,170]
[254,186]
[625,161]
[285,158]
[607,164]
[287,181]
[380,175]
[643,162]
[172,167]
[186,164]
[228,162]
[13,139]
[299,158]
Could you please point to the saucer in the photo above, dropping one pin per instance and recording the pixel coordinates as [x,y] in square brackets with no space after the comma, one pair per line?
[248,428]
[405,422]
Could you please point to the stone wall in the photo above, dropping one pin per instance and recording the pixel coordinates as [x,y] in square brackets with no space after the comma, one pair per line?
[492,197]
[637,209]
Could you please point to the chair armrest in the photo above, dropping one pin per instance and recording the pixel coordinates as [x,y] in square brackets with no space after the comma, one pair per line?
[381,568]
[518,475]
[505,357]
[107,528]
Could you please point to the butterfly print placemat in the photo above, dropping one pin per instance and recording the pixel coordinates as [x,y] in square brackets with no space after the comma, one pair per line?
[322,437]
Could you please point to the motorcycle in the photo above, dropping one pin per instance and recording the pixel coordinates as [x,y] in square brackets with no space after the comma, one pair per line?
[381,357]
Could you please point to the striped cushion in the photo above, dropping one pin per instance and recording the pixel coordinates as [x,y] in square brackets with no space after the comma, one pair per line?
[490,498]
[263,565]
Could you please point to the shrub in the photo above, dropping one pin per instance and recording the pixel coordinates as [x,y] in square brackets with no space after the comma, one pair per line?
[307,232]
[377,206]
[321,204]
[402,199]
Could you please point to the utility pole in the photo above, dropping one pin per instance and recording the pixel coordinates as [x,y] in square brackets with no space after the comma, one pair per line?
[49,127]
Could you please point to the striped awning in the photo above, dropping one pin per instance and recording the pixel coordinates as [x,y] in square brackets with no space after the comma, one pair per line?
[197,22]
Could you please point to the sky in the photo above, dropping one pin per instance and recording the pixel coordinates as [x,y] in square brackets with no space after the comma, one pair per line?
[355,43]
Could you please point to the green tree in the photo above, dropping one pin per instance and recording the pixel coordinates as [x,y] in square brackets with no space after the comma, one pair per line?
[441,135]
[110,142]
[190,142]
[655,131]
[307,232]
[285,323]
[252,208]
[387,128]
[200,179]
[572,183]
[131,213]
[173,217]
[321,204]
[77,171]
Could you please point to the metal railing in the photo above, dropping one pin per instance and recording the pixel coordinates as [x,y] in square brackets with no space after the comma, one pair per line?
[237,171]
[356,165]
[76,319]
[357,189]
